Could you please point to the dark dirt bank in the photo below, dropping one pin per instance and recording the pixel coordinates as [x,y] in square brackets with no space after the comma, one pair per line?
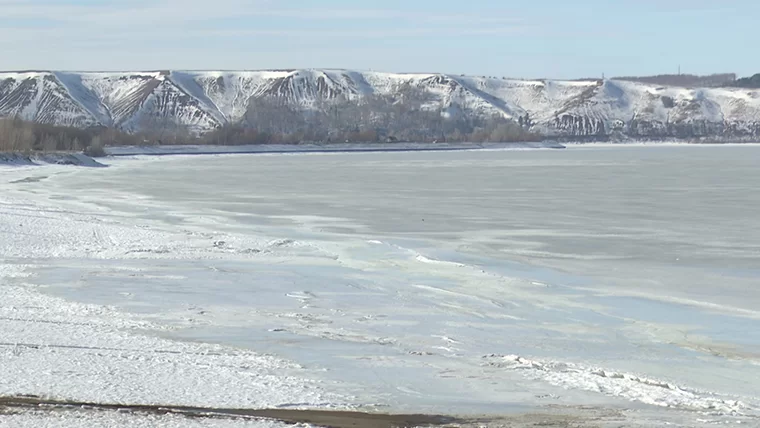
[552,418]
[337,419]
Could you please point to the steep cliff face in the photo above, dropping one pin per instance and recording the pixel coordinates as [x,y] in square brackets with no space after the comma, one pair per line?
[202,101]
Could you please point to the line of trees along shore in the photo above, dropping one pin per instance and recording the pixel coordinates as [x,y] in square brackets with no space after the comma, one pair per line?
[408,115]
[18,135]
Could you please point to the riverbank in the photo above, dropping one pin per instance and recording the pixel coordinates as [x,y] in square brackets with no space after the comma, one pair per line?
[323,148]
[56,158]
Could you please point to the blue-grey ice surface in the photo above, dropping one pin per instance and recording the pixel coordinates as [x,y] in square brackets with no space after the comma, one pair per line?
[468,282]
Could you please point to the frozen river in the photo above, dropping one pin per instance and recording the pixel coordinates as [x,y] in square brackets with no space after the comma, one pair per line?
[451,282]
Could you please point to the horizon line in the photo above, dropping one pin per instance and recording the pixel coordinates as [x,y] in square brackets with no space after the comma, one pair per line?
[293,69]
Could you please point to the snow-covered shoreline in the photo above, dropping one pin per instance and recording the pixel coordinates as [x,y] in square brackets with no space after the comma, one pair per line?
[386,147]
[665,143]
[322,148]
[79,159]
[23,159]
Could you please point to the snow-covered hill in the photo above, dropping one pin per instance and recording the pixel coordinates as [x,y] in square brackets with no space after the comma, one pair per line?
[202,100]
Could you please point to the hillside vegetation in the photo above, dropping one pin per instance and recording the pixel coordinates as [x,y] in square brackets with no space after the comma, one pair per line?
[685,80]
[748,82]
[17,135]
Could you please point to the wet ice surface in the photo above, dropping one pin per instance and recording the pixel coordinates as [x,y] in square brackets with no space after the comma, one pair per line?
[458,282]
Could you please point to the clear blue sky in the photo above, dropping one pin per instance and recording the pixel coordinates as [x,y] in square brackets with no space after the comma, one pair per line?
[539,38]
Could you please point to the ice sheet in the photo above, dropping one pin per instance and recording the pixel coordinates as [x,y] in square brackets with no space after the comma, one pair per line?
[407,280]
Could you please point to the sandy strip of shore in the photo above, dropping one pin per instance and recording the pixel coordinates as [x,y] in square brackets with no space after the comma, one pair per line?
[15,405]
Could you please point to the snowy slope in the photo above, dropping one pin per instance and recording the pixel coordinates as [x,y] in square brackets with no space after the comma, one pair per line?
[40,96]
[306,86]
[121,94]
[540,99]
[648,110]
[140,101]
[167,105]
[202,100]
[226,94]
